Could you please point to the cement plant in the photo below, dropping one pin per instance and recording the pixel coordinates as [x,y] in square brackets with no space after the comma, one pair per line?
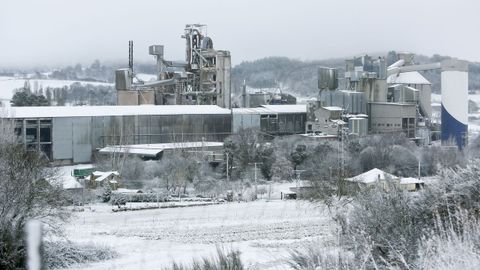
[207,151]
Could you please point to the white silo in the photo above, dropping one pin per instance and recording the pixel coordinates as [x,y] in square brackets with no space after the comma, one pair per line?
[454,81]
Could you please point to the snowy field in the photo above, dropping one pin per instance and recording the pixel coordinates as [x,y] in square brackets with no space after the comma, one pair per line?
[151,239]
[8,84]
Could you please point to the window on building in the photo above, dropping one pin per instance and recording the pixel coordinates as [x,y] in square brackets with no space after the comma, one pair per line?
[46,122]
[31,135]
[45,134]
[32,122]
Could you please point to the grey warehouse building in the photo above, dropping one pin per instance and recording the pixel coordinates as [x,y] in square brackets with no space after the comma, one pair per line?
[271,119]
[72,134]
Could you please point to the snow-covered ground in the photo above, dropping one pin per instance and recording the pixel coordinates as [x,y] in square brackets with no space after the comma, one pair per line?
[151,239]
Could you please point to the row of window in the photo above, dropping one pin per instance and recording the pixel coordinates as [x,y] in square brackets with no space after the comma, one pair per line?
[385,125]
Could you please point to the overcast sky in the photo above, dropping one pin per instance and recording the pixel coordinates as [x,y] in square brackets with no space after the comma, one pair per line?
[57,32]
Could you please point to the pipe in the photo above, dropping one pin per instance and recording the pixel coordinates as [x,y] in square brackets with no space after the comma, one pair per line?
[399,63]
[396,70]
[156,83]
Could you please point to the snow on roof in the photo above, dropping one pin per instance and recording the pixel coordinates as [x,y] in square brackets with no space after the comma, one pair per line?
[258,110]
[321,135]
[252,90]
[126,190]
[412,88]
[302,108]
[333,108]
[100,176]
[413,77]
[340,122]
[410,180]
[268,109]
[66,178]
[356,116]
[153,150]
[287,191]
[372,176]
[86,111]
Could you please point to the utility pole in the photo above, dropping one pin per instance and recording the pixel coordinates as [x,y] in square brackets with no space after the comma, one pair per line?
[256,188]
[419,166]
[228,177]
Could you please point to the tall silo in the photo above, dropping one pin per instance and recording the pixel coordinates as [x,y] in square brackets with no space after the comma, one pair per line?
[454,81]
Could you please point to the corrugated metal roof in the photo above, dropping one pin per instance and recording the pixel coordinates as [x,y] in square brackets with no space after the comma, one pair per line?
[302,108]
[333,108]
[258,110]
[266,109]
[413,77]
[82,111]
[152,150]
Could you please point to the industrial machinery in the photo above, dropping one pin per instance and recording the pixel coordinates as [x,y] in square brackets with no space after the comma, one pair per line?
[203,78]
[398,98]
[454,89]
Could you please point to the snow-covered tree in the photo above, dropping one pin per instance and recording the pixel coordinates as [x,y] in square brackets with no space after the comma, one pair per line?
[27,191]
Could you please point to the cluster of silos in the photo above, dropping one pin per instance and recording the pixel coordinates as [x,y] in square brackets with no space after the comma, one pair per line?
[351,101]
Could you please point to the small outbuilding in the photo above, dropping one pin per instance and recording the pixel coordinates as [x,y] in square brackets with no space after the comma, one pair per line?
[99,179]
[411,184]
[374,176]
[377,176]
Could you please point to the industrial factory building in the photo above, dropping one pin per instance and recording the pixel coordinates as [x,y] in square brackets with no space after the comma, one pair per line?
[271,119]
[377,99]
[202,79]
[392,99]
[72,134]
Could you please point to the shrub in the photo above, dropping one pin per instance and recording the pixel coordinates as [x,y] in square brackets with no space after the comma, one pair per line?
[63,254]
[118,199]
[449,248]
[223,261]
[107,193]
[313,257]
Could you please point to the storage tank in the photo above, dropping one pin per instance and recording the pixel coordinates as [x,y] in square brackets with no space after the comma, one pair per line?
[327,78]
[123,79]
[358,126]
[454,80]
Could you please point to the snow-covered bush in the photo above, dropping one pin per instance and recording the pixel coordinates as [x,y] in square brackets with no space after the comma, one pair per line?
[314,257]
[24,194]
[107,193]
[118,199]
[63,254]
[391,228]
[224,260]
[449,248]
[382,228]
